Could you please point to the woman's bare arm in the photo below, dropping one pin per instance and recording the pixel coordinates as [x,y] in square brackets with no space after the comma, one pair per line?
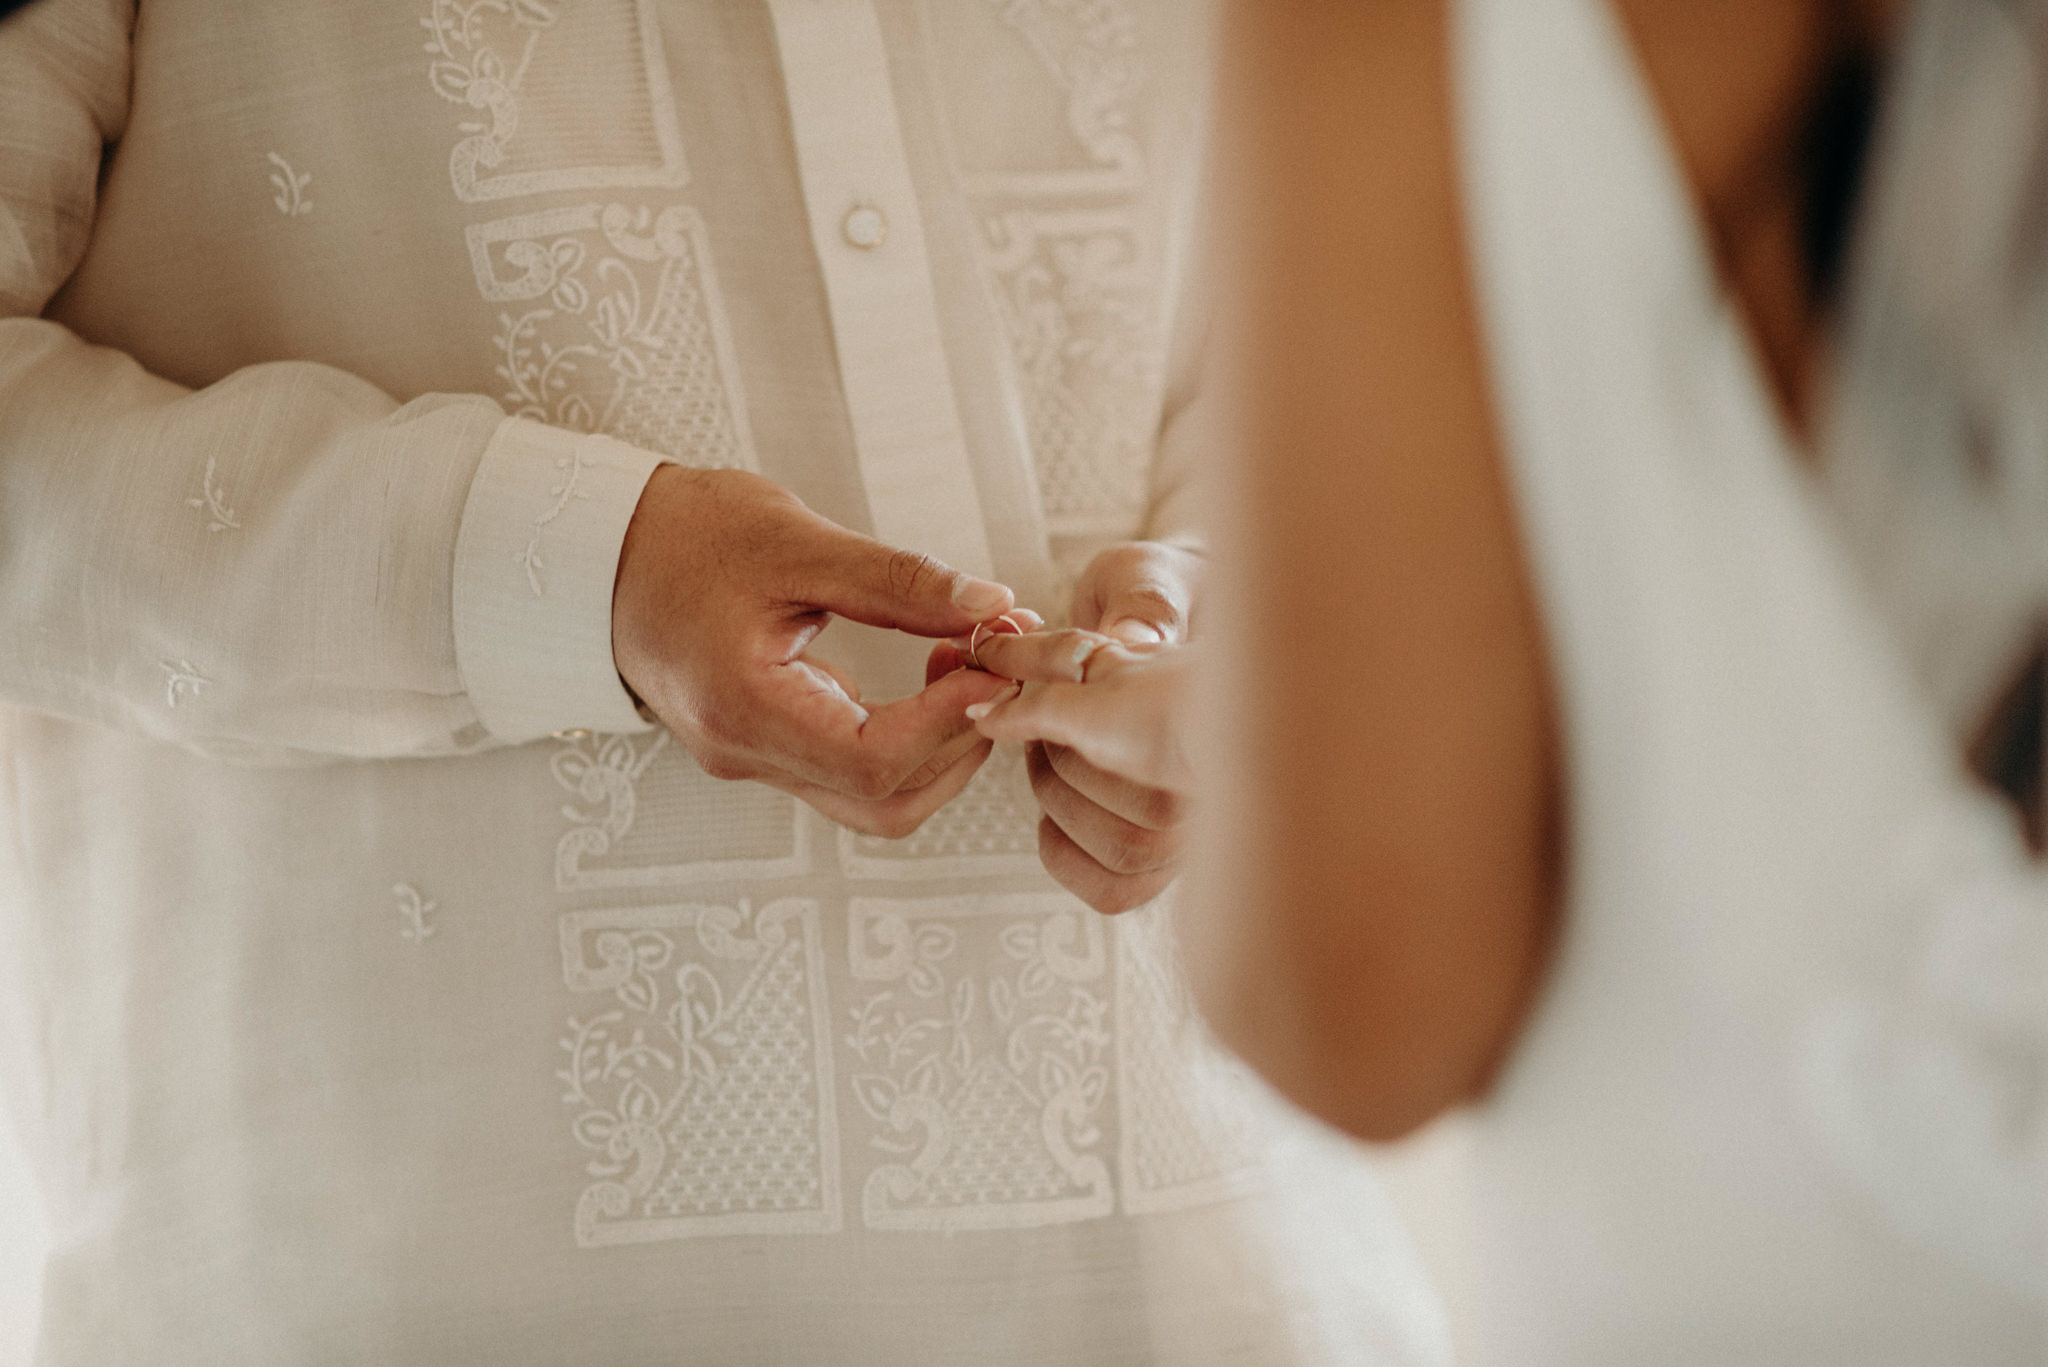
[1374,933]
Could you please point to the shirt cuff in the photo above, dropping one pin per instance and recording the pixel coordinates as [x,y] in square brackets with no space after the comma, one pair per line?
[535,560]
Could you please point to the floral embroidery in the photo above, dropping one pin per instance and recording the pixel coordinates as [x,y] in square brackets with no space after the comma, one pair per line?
[631,341]
[290,185]
[1075,275]
[468,71]
[705,1096]
[414,913]
[702,830]
[529,558]
[182,679]
[1076,297]
[982,1067]
[1090,47]
[469,42]
[214,500]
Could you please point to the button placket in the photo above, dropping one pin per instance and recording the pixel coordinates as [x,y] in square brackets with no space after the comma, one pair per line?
[868,233]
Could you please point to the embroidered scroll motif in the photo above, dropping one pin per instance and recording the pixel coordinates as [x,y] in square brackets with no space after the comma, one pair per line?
[488,54]
[182,679]
[1185,1123]
[989,830]
[981,1052]
[1076,296]
[213,500]
[415,914]
[1091,48]
[703,1088]
[1069,262]
[290,186]
[628,334]
[646,816]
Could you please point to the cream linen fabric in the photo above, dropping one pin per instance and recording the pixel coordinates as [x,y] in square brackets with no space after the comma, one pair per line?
[378,987]
[1761,1115]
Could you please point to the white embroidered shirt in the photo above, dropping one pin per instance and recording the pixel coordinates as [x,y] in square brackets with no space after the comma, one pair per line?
[378,986]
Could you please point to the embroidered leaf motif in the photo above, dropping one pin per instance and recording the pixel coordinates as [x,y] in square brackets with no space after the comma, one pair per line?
[414,912]
[290,186]
[927,1078]
[213,499]
[877,1094]
[182,680]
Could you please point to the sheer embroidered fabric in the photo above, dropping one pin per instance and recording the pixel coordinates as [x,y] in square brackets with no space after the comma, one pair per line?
[364,938]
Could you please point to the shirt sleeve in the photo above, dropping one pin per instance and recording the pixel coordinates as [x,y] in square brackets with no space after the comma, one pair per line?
[289,561]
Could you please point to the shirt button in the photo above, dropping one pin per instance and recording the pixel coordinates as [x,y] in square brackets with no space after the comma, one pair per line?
[864,227]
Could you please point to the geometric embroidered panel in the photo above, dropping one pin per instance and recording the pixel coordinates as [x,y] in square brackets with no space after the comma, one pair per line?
[701,1081]
[499,64]
[1187,1127]
[977,1053]
[647,817]
[617,327]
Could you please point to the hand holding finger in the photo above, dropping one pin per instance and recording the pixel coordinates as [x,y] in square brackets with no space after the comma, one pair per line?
[949,655]
[1124,720]
[1065,656]
[725,579]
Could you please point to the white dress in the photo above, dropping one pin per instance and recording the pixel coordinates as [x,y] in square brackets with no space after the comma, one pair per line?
[375,985]
[1758,1115]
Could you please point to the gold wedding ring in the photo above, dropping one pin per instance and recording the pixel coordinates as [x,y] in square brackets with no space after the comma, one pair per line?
[984,630]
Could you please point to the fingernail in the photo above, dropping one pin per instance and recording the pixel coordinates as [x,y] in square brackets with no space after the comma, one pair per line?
[1135,631]
[976,711]
[980,597]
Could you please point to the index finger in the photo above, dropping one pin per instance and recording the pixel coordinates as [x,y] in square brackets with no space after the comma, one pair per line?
[1069,655]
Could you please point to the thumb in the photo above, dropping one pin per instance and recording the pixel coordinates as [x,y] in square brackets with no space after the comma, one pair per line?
[887,586]
[1142,613]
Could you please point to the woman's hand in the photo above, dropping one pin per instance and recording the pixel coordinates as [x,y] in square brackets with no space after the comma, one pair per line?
[1122,718]
[1098,718]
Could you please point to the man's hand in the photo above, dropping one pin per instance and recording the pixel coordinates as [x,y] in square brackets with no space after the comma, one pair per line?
[1103,755]
[724,581]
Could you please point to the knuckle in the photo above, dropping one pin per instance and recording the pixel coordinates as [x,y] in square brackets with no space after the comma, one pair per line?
[1153,602]
[911,573]
[721,765]
[720,726]
[1158,809]
[1044,780]
[896,820]
[871,781]
[1130,850]
[1125,556]
[1065,763]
